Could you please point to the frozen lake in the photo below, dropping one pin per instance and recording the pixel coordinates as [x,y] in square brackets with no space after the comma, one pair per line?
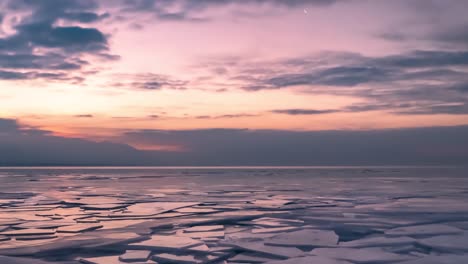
[320,215]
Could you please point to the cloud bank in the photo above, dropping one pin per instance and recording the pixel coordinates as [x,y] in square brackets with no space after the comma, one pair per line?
[418,146]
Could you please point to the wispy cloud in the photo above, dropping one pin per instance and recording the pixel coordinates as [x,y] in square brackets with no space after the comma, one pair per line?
[297,111]
[188,10]
[227,116]
[148,81]
[84,116]
[394,108]
[425,79]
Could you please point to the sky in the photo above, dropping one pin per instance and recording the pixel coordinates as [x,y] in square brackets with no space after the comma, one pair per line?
[208,82]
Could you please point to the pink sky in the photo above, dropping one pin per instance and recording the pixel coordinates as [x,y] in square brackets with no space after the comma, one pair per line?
[312,65]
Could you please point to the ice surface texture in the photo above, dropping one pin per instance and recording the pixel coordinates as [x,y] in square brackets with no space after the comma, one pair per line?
[250,215]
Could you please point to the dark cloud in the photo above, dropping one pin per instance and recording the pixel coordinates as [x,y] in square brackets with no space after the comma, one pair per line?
[422,58]
[39,43]
[355,108]
[149,81]
[438,145]
[70,39]
[431,146]
[8,125]
[225,116]
[85,17]
[179,16]
[427,79]
[304,111]
[366,107]
[12,127]
[395,108]
[452,109]
[31,75]
[336,76]
[52,10]
[463,88]
[51,61]
[26,146]
[418,99]
[416,65]
[39,29]
[9,75]
[84,116]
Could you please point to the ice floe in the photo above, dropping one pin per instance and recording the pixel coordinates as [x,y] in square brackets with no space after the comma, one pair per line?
[361,256]
[423,230]
[453,243]
[304,238]
[166,243]
[200,217]
[135,256]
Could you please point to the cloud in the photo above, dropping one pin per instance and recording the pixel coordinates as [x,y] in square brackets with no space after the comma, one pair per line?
[335,76]
[188,10]
[426,79]
[82,11]
[457,35]
[145,5]
[437,23]
[354,108]
[417,82]
[22,145]
[454,36]
[423,58]
[49,76]
[148,81]
[437,145]
[70,39]
[9,75]
[416,65]
[225,116]
[39,29]
[52,61]
[452,109]
[8,125]
[29,146]
[85,17]
[40,43]
[84,116]
[395,108]
[304,111]
[463,88]
[11,127]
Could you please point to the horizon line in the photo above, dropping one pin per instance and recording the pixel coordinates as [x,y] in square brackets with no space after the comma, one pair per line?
[231,167]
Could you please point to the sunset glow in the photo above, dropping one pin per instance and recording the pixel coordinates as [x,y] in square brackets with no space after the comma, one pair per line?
[99,69]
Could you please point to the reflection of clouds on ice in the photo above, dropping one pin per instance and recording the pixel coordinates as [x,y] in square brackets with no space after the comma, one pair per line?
[269,215]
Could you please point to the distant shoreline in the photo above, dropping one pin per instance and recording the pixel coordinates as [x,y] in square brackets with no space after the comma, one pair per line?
[235,167]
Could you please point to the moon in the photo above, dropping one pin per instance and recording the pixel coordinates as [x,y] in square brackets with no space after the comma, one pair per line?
[305,11]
